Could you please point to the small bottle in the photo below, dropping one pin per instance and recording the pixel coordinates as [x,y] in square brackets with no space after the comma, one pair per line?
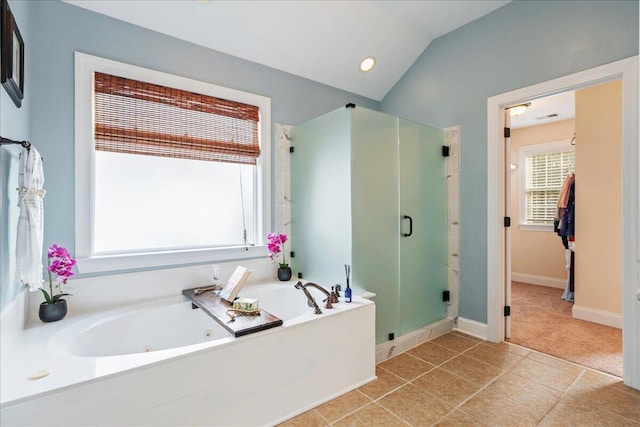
[347,293]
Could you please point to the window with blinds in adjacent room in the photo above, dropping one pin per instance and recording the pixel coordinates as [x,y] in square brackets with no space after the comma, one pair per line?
[544,168]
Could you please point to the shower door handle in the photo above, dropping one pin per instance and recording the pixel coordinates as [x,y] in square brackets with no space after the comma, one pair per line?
[410,225]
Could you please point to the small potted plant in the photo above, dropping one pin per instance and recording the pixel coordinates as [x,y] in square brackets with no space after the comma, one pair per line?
[276,245]
[60,263]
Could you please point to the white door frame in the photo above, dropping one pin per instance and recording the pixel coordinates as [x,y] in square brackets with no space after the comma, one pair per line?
[627,71]
[506,196]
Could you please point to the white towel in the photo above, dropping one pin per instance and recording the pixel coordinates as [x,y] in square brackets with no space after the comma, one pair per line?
[31,220]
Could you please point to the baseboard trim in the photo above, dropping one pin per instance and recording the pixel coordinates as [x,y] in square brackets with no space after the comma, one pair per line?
[389,349]
[539,280]
[594,315]
[472,327]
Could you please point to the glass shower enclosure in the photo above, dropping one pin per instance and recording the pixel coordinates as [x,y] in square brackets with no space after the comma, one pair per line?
[369,190]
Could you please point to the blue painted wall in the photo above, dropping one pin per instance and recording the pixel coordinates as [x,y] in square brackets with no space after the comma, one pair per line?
[518,45]
[58,29]
[14,124]
[522,43]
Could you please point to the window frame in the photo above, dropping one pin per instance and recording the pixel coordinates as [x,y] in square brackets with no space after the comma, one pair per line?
[529,150]
[87,260]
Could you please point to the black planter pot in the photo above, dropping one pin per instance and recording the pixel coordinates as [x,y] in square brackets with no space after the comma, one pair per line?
[53,312]
[284,274]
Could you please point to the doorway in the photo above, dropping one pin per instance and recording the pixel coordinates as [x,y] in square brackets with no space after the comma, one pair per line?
[627,71]
[580,323]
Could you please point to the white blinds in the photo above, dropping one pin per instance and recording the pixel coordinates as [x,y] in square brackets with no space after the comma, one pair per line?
[545,175]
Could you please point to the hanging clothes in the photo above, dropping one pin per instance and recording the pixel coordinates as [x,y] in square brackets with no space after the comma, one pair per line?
[30,232]
[567,223]
[565,200]
[564,226]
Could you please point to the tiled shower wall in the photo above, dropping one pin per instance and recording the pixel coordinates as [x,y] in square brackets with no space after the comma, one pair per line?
[282,190]
[452,171]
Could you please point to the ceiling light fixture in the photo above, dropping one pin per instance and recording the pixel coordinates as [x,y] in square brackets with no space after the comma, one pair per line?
[367,64]
[519,109]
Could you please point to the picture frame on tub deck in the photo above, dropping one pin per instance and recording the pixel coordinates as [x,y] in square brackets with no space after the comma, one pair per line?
[11,55]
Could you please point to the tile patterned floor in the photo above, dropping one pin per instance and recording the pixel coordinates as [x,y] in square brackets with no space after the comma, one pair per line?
[459,380]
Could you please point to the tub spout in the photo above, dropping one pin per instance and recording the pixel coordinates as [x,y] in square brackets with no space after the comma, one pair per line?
[310,300]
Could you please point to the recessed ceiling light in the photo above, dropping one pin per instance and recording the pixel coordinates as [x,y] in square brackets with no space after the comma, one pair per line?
[367,64]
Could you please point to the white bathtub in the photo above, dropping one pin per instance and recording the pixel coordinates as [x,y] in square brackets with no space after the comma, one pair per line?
[164,363]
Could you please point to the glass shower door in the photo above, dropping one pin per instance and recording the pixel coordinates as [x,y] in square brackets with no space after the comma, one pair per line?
[356,174]
[374,204]
[423,216]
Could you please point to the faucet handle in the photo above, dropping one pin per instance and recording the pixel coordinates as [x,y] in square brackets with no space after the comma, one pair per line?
[328,302]
[334,296]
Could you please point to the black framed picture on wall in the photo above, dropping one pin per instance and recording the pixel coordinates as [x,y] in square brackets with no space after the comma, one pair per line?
[11,55]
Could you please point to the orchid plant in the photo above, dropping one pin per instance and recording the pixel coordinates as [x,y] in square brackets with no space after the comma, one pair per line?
[275,244]
[61,264]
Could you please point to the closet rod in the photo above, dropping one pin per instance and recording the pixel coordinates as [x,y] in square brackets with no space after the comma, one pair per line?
[25,144]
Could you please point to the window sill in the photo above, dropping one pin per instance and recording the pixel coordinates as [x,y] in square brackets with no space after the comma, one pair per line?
[532,227]
[123,262]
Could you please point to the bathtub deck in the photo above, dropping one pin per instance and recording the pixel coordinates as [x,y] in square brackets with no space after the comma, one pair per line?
[217,308]
[285,371]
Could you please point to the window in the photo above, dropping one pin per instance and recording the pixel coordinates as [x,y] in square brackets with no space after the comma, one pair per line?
[543,169]
[169,170]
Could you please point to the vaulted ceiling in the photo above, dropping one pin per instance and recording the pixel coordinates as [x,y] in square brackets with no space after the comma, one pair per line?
[320,40]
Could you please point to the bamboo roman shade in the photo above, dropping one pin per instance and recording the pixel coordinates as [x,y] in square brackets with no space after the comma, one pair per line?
[136,117]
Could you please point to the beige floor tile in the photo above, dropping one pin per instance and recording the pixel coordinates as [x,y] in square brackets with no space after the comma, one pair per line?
[555,362]
[385,383]
[467,336]
[472,369]
[372,415]
[340,406]
[456,342]
[555,378]
[406,366]
[601,377]
[568,413]
[521,388]
[610,380]
[447,386]
[514,348]
[460,419]
[494,354]
[624,388]
[308,419]
[536,396]
[432,353]
[589,394]
[498,410]
[415,406]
